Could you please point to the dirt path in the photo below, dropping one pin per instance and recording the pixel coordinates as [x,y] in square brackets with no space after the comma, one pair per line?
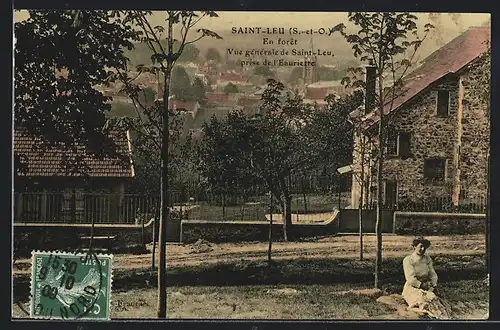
[331,247]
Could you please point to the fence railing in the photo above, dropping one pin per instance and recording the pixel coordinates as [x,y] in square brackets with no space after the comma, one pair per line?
[444,204]
[79,207]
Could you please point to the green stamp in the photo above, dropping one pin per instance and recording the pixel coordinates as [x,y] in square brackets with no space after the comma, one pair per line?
[66,285]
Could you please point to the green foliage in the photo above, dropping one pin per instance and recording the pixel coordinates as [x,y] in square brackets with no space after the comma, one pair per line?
[198,90]
[230,88]
[121,109]
[146,142]
[59,109]
[181,84]
[296,74]
[213,55]
[147,96]
[389,40]
[225,155]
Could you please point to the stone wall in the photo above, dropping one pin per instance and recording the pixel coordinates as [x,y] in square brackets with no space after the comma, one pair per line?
[430,136]
[476,130]
[241,231]
[430,223]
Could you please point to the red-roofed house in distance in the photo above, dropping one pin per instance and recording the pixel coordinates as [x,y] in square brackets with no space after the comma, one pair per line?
[438,139]
[190,107]
[234,78]
[49,187]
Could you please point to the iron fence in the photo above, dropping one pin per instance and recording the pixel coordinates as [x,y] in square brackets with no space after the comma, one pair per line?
[444,204]
[80,207]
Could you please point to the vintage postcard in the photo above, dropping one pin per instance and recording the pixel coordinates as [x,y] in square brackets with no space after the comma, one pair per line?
[250,165]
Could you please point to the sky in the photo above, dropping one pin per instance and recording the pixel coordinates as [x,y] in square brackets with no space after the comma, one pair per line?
[299,19]
[447,25]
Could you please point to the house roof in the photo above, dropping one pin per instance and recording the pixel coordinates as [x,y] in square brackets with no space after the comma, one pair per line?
[216,96]
[48,161]
[450,58]
[231,76]
[316,93]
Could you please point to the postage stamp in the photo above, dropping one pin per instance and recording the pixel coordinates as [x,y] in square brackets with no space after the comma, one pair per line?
[71,285]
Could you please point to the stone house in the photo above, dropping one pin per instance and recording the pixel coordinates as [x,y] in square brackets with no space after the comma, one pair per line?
[437,141]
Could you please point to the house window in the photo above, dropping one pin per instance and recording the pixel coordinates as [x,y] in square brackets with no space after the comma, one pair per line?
[392,142]
[443,103]
[398,144]
[435,170]
[404,144]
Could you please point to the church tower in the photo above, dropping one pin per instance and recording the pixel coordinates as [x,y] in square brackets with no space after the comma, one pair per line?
[310,71]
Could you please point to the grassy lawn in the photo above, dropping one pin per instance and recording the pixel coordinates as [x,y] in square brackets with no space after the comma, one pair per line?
[469,298]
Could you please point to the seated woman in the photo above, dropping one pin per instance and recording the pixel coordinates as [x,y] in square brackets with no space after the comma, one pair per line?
[421,281]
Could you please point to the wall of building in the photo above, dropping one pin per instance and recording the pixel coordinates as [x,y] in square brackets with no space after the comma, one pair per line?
[430,136]
[476,130]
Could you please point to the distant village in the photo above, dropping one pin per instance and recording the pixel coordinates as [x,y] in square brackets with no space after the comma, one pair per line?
[230,86]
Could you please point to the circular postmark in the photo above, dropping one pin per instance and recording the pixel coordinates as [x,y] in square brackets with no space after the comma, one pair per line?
[68,285]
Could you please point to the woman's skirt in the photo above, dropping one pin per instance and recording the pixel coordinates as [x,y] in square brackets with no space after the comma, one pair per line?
[425,301]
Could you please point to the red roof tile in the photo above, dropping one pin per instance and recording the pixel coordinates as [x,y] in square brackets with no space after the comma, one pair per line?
[230,76]
[448,59]
[49,161]
[216,97]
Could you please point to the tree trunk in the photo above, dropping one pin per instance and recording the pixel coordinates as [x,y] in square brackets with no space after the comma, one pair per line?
[380,164]
[164,206]
[243,208]
[269,261]
[287,218]
[361,200]
[155,239]
[223,206]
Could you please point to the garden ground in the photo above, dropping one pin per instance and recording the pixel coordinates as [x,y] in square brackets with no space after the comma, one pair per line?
[345,247]
[215,280]
[468,300]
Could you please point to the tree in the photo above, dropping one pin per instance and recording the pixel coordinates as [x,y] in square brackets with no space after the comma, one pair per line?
[264,70]
[181,84]
[147,96]
[56,98]
[225,156]
[287,138]
[296,74]
[231,88]
[164,58]
[198,90]
[189,54]
[213,55]
[383,38]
